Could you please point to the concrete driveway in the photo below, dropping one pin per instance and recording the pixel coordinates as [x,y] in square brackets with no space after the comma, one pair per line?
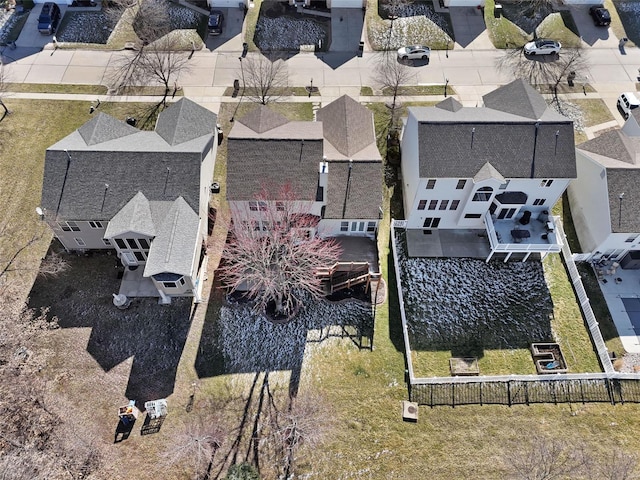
[346,29]
[469,29]
[29,36]
[601,37]
[231,37]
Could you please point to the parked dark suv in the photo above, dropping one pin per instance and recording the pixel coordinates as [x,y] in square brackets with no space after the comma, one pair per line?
[49,18]
[601,16]
[216,21]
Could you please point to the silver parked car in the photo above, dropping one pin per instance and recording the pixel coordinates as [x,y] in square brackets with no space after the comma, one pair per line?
[542,46]
[414,52]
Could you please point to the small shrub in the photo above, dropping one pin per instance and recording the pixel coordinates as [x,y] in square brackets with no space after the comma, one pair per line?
[242,471]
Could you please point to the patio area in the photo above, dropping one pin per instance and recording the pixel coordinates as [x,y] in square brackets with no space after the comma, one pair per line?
[621,290]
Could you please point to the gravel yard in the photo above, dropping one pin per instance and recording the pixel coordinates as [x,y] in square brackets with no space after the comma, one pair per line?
[280,28]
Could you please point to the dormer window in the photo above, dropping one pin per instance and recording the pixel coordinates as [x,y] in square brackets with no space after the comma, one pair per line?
[483,194]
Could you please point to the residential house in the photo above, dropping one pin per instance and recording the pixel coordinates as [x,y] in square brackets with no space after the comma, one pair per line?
[606,196]
[493,171]
[144,194]
[332,164]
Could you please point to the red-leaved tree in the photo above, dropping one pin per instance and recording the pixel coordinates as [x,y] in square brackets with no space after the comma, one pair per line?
[274,252]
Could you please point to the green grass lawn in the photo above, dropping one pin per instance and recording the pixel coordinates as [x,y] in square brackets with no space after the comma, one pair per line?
[361,389]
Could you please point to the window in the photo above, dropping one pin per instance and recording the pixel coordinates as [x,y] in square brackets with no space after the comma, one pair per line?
[422,204]
[262,206]
[483,194]
[256,225]
[280,206]
[144,243]
[140,256]
[133,245]
[427,232]
[80,242]
[473,215]
[169,285]
[454,204]
[546,183]
[120,243]
[95,224]
[461,184]
[631,238]
[504,185]
[344,226]
[431,222]
[540,201]
[69,226]
[371,227]
[359,226]
[431,184]
[433,204]
[253,206]
[265,226]
[506,213]
[106,241]
[443,205]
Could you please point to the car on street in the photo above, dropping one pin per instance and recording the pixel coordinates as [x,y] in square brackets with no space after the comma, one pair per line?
[601,16]
[216,22]
[542,46]
[627,102]
[49,18]
[414,52]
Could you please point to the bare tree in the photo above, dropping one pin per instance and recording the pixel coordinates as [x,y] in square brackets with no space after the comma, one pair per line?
[617,466]
[196,446]
[161,55]
[263,79]
[544,70]
[275,253]
[542,458]
[3,89]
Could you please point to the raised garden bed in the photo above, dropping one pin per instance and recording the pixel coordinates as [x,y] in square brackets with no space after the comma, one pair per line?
[548,358]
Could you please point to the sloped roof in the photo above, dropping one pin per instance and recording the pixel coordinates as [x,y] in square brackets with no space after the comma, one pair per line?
[262,119]
[347,125]
[518,98]
[355,194]
[486,172]
[184,121]
[457,144]
[450,104]
[619,154]
[172,249]
[76,172]
[134,217]
[103,128]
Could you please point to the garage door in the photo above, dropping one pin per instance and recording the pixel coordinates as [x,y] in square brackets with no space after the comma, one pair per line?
[345,4]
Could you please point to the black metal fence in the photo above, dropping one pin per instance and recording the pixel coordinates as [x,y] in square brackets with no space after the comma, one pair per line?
[525,392]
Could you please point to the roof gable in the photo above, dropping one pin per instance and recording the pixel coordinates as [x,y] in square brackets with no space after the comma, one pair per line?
[347,125]
[263,119]
[134,217]
[103,128]
[518,98]
[185,120]
[450,104]
[486,172]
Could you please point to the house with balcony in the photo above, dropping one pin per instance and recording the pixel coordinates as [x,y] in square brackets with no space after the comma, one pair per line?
[142,194]
[481,181]
[329,169]
[605,198]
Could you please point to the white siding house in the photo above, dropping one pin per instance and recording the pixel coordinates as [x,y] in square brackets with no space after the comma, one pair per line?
[605,198]
[496,169]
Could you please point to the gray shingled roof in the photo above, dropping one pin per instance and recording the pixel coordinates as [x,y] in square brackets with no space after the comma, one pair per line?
[518,98]
[172,250]
[620,155]
[103,128]
[347,125]
[450,104]
[354,196]
[137,161]
[135,217]
[256,164]
[457,144]
[184,121]
[262,119]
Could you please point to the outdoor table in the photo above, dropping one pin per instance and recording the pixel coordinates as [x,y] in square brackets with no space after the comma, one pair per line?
[518,235]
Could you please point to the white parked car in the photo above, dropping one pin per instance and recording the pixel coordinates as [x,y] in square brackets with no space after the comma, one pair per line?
[542,46]
[627,102]
[414,52]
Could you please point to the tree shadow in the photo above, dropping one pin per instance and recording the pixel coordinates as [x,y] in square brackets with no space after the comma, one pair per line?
[154,335]
[237,340]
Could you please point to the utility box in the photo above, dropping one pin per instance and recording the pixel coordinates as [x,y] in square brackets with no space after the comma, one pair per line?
[497,10]
[570,78]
